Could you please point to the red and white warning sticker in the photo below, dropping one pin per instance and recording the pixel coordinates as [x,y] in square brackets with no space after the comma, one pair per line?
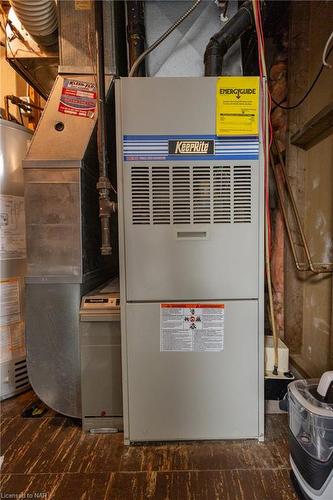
[78,98]
[192,327]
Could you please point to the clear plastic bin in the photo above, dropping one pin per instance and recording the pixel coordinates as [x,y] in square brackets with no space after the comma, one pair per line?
[310,420]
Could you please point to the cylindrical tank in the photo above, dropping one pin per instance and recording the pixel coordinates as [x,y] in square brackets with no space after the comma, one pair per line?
[14,140]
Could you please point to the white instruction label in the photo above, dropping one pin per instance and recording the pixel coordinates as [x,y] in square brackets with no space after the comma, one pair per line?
[192,327]
[10,301]
[11,322]
[12,341]
[12,227]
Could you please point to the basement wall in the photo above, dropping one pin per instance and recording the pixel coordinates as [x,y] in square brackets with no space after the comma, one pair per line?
[308,299]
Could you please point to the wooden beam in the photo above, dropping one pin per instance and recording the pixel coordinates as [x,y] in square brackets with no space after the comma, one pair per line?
[315,130]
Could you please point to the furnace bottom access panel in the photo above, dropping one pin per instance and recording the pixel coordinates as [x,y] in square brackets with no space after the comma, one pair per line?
[101,390]
[191,260]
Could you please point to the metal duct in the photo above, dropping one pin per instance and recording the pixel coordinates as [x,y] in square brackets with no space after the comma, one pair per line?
[39,18]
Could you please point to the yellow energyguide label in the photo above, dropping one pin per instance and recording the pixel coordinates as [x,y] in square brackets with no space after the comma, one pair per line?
[237,105]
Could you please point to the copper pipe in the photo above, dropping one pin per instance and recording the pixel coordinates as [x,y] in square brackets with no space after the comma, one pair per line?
[322,267]
[299,267]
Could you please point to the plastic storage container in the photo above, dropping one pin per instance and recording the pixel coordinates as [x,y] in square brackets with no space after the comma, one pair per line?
[310,420]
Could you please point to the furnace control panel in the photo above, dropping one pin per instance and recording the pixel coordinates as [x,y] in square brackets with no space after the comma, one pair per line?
[100,302]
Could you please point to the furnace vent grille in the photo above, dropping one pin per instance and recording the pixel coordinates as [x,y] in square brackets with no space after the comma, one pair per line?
[191,195]
[201,195]
[181,195]
[222,194]
[161,195]
[140,195]
[242,194]
[21,374]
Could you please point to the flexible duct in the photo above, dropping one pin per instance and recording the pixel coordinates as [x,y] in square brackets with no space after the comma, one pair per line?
[39,18]
[221,42]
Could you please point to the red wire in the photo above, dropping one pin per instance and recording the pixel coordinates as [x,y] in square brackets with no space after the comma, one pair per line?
[261,48]
[270,129]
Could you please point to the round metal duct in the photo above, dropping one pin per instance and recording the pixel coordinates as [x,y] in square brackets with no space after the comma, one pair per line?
[39,18]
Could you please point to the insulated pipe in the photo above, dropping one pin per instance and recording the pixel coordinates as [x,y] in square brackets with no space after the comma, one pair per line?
[221,42]
[39,18]
[135,33]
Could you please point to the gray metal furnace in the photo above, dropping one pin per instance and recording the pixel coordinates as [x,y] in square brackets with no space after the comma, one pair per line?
[191,226]
[100,346]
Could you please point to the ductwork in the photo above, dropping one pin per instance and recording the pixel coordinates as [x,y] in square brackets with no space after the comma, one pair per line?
[221,42]
[39,18]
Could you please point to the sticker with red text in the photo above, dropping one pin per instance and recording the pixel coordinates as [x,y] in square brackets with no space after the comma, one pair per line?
[192,327]
[78,98]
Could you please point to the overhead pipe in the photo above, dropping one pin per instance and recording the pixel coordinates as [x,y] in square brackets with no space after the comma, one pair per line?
[135,33]
[106,206]
[220,43]
[39,18]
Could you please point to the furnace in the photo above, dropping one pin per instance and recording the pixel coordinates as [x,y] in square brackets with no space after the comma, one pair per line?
[191,224]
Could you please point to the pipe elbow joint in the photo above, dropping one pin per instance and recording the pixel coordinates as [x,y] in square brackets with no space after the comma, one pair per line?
[213,58]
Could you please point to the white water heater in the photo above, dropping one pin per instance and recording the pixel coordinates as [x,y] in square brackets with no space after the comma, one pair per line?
[14,141]
[191,225]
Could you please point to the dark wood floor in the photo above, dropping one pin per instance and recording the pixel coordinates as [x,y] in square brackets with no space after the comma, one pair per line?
[51,456]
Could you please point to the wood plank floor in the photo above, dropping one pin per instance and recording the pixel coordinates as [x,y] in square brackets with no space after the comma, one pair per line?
[50,457]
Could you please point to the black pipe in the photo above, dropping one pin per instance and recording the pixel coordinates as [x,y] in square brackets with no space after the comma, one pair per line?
[221,42]
[101,124]
[135,33]
[103,184]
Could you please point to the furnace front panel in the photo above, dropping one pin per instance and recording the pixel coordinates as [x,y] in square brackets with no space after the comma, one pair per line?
[191,237]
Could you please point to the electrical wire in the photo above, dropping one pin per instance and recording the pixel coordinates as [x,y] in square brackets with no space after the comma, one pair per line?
[329,40]
[322,67]
[266,127]
[141,57]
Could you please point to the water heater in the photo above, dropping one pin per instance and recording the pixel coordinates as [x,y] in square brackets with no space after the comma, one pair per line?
[191,224]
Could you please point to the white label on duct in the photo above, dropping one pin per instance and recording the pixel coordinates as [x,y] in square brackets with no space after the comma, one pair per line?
[11,323]
[10,301]
[192,327]
[12,341]
[12,227]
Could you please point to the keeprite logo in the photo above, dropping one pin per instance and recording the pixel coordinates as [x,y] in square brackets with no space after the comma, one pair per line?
[182,147]
[238,92]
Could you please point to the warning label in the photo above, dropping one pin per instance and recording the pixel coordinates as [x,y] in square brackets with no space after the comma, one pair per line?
[11,322]
[192,327]
[237,105]
[82,4]
[10,301]
[12,227]
[78,98]
[12,341]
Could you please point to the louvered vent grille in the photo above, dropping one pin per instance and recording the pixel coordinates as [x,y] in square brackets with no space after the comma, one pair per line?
[140,195]
[21,374]
[191,195]
[242,194]
[161,195]
[201,195]
[181,195]
[222,194]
